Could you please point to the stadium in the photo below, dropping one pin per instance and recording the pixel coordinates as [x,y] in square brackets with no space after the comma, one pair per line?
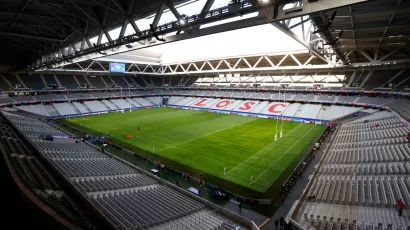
[205,114]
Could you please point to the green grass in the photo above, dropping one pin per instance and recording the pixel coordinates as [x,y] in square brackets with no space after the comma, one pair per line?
[207,142]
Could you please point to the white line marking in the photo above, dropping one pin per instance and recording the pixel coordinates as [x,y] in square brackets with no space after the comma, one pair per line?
[282,155]
[261,150]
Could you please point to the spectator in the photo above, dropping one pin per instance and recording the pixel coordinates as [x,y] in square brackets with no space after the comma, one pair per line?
[282,197]
[400,206]
[281,221]
[257,203]
[240,207]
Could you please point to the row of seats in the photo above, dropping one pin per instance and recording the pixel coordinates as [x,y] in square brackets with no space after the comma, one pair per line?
[361,190]
[395,168]
[374,154]
[327,216]
[364,130]
[72,154]
[63,146]
[92,167]
[114,182]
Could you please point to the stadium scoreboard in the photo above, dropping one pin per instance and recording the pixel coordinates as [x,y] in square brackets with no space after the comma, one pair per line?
[117,67]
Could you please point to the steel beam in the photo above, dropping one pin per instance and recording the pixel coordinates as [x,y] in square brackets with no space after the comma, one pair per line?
[84,12]
[118,5]
[206,8]
[371,26]
[384,65]
[59,18]
[172,8]
[158,15]
[127,18]
[19,15]
[266,10]
[108,7]
[295,37]
[30,36]
[370,10]
[44,6]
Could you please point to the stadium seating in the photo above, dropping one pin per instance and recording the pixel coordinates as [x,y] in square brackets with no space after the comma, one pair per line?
[143,101]
[51,97]
[34,174]
[51,110]
[82,80]
[3,84]
[110,105]
[119,81]
[374,100]
[325,97]
[347,98]
[292,109]
[49,79]
[96,82]
[96,106]
[122,103]
[363,174]
[23,98]
[334,112]
[108,81]
[37,109]
[80,107]
[33,82]
[101,94]
[131,200]
[67,81]
[65,108]
[12,79]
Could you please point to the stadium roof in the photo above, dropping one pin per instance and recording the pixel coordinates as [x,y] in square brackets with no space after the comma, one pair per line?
[375,31]
[29,28]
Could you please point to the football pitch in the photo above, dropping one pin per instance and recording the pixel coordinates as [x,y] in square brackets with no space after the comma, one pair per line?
[208,142]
